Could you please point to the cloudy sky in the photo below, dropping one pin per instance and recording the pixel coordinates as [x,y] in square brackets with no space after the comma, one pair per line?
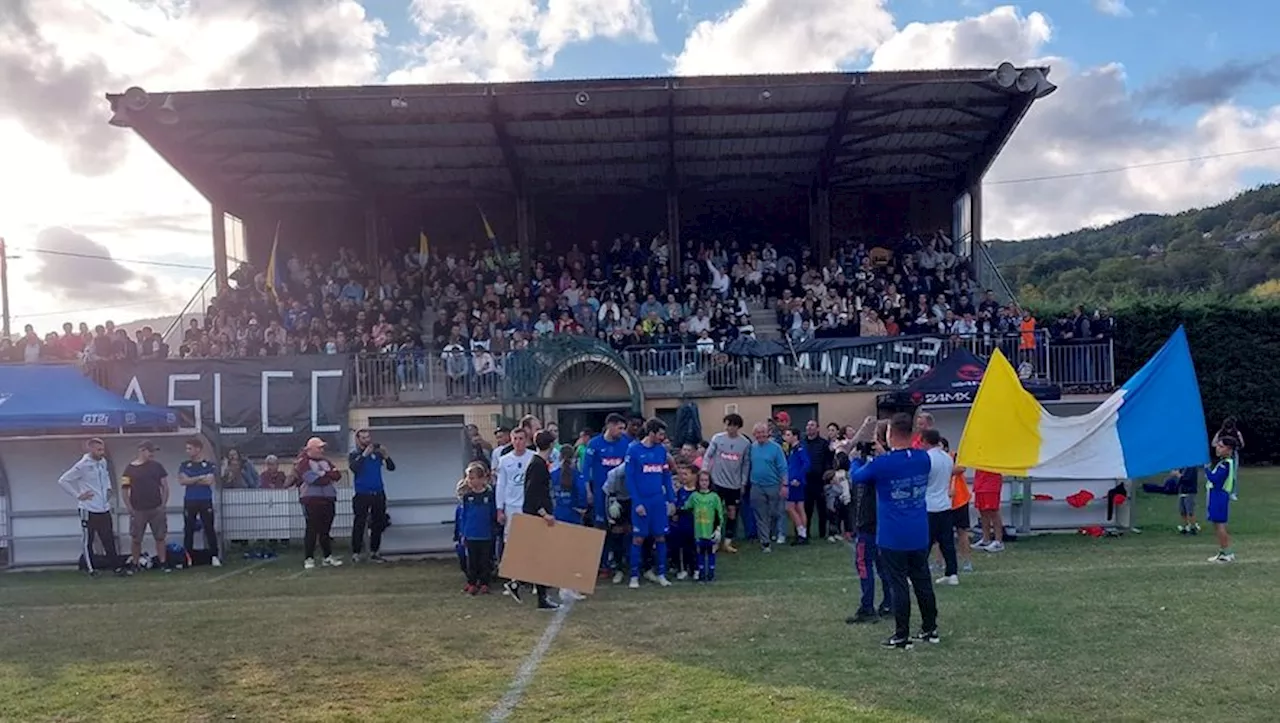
[1143,84]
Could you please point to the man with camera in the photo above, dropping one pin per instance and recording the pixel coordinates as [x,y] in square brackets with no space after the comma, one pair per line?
[900,479]
[369,505]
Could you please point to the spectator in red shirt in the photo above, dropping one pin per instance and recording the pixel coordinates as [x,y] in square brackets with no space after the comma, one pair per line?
[986,496]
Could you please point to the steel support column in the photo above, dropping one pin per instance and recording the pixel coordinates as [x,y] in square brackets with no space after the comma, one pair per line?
[673,228]
[371,226]
[524,234]
[218,221]
[820,220]
[975,214]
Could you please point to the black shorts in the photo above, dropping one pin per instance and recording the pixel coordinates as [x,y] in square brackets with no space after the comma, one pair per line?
[960,517]
[730,498]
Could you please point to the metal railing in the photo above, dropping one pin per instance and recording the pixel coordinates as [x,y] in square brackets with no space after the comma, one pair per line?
[428,377]
[675,370]
[988,274]
[194,309]
[463,377]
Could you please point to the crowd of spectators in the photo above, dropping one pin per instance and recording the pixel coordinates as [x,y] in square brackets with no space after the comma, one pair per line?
[103,342]
[468,308]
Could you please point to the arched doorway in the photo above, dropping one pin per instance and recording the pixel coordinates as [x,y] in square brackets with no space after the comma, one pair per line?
[582,390]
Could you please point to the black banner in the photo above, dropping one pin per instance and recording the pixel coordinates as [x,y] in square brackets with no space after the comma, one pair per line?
[258,406]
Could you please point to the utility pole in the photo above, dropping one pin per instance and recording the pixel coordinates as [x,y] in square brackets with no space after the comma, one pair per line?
[4,285]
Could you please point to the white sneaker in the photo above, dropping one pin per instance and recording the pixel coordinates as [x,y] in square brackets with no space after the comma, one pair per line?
[355,559]
[1220,557]
[782,539]
[981,544]
[332,561]
[215,561]
[650,575]
[682,575]
[663,581]
[697,575]
[948,580]
[308,564]
[634,584]
[996,546]
[617,578]
[833,539]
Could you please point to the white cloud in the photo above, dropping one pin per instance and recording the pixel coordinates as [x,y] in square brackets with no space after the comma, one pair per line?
[500,40]
[1095,120]
[780,36]
[79,173]
[1115,8]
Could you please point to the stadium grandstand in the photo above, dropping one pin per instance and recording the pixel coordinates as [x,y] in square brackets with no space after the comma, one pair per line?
[433,230]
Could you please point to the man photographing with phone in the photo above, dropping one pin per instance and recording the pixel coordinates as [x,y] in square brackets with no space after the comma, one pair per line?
[900,479]
[369,505]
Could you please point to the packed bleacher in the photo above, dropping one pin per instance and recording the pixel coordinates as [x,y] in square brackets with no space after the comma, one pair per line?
[453,305]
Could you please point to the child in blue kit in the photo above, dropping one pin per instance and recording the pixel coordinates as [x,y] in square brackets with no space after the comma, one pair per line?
[477,526]
[797,474]
[1220,481]
[683,547]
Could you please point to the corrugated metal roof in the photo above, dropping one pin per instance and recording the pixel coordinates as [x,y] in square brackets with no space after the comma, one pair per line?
[843,129]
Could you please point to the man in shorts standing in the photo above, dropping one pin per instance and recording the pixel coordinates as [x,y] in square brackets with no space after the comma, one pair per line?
[145,484]
[727,461]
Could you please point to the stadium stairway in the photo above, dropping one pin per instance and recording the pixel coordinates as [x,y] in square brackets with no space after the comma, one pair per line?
[765,322]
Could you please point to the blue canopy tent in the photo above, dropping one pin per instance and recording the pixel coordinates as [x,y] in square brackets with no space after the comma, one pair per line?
[60,399]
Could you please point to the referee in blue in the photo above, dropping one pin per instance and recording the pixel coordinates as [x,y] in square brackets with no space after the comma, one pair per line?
[900,478]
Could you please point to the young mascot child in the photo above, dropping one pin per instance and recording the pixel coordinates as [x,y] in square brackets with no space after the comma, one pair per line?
[797,473]
[1187,480]
[684,549]
[839,496]
[477,528]
[1220,481]
[708,520]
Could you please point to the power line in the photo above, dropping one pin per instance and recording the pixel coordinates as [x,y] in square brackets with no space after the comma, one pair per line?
[73,312]
[1135,166]
[100,257]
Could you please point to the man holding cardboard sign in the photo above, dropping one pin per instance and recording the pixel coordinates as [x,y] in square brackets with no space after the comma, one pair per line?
[537,502]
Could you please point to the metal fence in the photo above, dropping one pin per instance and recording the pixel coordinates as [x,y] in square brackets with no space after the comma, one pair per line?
[673,370]
[270,514]
[461,377]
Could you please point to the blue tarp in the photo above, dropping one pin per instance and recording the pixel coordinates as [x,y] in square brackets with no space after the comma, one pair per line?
[57,398]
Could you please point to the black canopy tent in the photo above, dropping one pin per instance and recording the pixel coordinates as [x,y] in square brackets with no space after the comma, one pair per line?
[955,380]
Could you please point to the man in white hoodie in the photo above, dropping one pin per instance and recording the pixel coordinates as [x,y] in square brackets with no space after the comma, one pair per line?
[89,482]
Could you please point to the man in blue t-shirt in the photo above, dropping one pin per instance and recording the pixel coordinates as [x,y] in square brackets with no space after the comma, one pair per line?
[369,503]
[197,476]
[900,478]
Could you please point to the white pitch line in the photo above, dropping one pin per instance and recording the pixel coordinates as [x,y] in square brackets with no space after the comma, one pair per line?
[236,571]
[524,676]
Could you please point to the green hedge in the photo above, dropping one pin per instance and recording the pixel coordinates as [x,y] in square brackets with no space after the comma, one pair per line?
[1236,348]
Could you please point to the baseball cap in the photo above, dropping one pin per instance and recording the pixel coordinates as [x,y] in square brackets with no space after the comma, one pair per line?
[272,458]
[148,445]
[782,418]
[315,443]
[95,440]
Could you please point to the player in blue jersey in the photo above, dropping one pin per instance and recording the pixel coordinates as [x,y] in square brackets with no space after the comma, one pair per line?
[648,481]
[604,452]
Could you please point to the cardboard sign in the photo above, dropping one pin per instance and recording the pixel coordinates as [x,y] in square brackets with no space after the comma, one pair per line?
[560,555]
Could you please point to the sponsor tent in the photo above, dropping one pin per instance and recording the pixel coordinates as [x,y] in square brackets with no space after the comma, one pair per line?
[955,380]
[46,412]
[52,399]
